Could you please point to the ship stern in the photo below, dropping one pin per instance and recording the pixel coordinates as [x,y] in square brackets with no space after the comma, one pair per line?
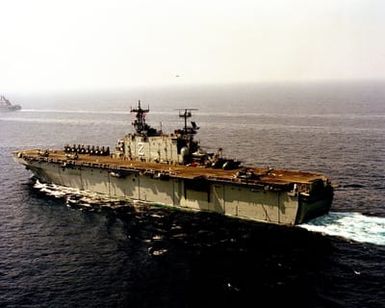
[316,203]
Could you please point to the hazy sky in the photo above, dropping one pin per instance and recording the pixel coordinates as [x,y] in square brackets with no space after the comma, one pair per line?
[91,44]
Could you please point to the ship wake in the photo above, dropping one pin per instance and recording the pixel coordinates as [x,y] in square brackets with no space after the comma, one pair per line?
[351,226]
[79,198]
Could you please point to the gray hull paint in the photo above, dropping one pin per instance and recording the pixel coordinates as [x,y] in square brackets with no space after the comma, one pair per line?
[245,202]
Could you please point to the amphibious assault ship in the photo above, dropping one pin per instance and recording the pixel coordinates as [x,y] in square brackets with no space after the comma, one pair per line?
[173,170]
[5,105]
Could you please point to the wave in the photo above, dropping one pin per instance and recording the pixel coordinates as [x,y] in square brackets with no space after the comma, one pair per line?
[75,111]
[79,198]
[113,122]
[229,114]
[351,226]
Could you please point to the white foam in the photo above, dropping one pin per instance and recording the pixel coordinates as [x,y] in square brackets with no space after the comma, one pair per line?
[73,195]
[352,226]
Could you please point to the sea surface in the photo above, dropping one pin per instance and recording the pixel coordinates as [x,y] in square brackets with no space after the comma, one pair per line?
[62,248]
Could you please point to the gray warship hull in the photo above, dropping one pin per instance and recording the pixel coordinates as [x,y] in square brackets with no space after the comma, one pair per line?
[272,196]
[10,108]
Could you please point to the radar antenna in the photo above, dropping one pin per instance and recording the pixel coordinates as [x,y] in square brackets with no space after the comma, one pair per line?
[140,125]
[186,113]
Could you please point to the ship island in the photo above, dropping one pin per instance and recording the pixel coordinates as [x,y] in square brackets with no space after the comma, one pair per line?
[172,170]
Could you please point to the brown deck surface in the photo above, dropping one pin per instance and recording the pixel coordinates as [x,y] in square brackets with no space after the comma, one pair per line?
[272,176]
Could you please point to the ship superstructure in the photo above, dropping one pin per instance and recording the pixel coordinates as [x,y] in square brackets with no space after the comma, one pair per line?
[172,170]
[5,105]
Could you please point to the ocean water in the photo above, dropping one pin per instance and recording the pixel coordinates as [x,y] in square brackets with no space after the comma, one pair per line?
[62,248]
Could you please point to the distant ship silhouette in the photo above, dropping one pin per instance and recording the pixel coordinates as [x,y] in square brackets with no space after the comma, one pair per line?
[5,105]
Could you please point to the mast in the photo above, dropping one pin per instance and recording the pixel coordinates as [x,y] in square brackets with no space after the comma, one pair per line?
[140,125]
[140,122]
[186,113]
